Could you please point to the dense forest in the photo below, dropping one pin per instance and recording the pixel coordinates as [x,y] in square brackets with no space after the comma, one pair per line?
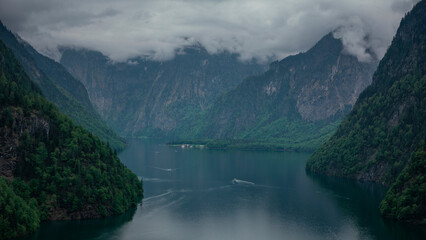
[51,169]
[406,199]
[280,135]
[382,138]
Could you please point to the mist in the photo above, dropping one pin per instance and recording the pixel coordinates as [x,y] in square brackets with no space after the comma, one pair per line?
[264,30]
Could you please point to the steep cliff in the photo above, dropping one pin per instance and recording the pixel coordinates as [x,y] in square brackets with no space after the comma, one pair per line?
[150,98]
[51,169]
[60,87]
[297,102]
[377,139]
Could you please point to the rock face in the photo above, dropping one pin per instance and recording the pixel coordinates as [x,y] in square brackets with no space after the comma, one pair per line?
[328,83]
[310,89]
[151,98]
[384,134]
[9,139]
[60,87]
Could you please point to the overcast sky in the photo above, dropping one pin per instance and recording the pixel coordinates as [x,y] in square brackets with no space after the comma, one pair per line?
[260,28]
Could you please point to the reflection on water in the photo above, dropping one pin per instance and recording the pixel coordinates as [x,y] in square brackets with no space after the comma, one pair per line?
[83,229]
[206,194]
[365,199]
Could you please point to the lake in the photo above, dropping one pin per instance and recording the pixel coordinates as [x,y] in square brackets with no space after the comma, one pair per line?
[211,194]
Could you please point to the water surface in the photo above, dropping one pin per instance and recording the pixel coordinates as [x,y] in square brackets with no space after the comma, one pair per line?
[207,194]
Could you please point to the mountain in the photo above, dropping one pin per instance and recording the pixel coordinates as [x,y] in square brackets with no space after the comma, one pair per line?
[143,97]
[51,169]
[296,104]
[60,87]
[382,139]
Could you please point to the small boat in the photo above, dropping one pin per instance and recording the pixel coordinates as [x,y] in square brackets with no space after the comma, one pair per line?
[242,182]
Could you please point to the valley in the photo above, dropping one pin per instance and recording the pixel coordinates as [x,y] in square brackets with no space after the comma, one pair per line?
[184,120]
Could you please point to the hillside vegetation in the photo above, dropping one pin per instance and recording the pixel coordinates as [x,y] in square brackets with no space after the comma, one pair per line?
[51,169]
[382,138]
[58,86]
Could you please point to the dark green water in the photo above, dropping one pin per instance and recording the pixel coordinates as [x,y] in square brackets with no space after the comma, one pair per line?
[189,194]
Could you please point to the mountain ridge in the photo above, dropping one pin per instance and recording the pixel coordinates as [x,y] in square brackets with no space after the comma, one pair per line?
[159,94]
[304,94]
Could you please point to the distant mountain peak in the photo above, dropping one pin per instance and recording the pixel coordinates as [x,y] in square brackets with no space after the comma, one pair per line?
[311,90]
[329,40]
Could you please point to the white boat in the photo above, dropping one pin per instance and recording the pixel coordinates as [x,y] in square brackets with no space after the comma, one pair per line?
[242,182]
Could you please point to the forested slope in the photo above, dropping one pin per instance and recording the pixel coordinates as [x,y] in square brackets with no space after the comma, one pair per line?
[60,87]
[50,168]
[381,135]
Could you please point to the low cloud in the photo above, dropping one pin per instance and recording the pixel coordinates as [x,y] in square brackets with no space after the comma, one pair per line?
[269,29]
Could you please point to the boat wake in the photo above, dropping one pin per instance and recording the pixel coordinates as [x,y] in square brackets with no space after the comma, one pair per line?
[157,196]
[241,182]
[158,180]
[168,192]
[166,169]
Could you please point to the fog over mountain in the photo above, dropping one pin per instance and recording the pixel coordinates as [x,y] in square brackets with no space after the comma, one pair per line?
[265,30]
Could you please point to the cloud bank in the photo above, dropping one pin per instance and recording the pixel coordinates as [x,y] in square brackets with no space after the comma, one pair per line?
[267,29]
